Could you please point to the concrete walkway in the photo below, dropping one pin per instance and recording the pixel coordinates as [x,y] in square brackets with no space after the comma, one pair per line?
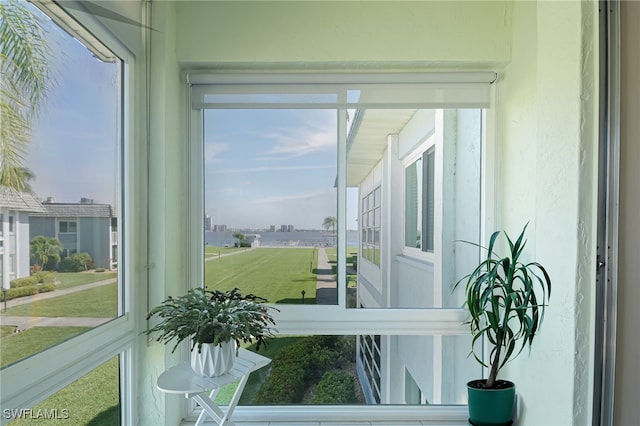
[326,287]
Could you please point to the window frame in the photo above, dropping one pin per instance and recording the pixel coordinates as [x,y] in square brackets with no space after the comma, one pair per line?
[430,143]
[35,378]
[339,320]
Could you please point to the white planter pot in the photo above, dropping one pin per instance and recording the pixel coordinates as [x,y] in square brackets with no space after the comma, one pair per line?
[212,360]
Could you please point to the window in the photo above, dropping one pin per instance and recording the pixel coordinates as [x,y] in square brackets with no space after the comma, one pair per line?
[369,362]
[77,153]
[244,129]
[370,228]
[419,202]
[12,225]
[67,227]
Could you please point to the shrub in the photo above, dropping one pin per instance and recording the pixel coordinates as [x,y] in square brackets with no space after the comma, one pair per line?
[31,290]
[100,270]
[335,387]
[77,262]
[298,366]
[24,282]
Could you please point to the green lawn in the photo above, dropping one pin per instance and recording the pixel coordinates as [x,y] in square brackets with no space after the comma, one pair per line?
[72,279]
[99,302]
[92,400]
[33,340]
[6,330]
[352,256]
[213,251]
[277,274]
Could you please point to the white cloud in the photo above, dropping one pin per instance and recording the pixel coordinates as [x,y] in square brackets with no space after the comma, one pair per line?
[301,141]
[212,151]
[276,169]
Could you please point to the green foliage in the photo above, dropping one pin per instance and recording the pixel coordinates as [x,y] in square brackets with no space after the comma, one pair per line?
[46,251]
[76,262]
[26,76]
[37,278]
[335,387]
[506,300]
[213,317]
[28,290]
[299,365]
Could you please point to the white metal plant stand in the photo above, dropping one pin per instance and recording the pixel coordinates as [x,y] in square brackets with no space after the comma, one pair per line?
[181,379]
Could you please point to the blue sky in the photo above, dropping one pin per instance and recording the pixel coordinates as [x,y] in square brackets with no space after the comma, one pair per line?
[270,167]
[74,142]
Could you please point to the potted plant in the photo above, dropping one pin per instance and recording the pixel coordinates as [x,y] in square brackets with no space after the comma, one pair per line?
[506,300]
[216,322]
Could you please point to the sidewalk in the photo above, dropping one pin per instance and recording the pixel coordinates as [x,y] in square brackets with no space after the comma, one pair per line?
[326,287]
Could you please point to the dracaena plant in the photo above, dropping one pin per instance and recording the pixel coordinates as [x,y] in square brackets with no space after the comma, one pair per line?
[506,300]
[213,317]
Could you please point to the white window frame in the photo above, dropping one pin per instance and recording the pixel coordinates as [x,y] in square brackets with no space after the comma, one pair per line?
[31,380]
[338,320]
[428,144]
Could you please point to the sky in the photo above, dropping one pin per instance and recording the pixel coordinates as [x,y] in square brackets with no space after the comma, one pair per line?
[262,167]
[271,167]
[74,142]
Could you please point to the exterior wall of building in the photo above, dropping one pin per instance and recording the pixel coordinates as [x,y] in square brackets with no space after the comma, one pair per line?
[23,248]
[93,236]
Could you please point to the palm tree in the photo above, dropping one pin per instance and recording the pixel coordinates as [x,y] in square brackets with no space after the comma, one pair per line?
[25,58]
[45,249]
[330,222]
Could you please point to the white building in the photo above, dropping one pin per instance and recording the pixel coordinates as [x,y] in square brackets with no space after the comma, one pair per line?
[15,254]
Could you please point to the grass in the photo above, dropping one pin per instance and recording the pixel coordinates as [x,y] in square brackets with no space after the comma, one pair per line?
[213,251]
[277,274]
[99,302]
[6,330]
[92,400]
[33,340]
[73,279]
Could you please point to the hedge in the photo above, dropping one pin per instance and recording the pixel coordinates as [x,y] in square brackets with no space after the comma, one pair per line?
[335,387]
[31,290]
[296,367]
[41,277]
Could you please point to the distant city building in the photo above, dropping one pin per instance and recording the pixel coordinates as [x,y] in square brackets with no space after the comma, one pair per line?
[219,228]
[272,228]
[287,228]
[207,222]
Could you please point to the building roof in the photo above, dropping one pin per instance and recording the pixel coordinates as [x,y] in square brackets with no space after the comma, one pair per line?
[21,201]
[75,210]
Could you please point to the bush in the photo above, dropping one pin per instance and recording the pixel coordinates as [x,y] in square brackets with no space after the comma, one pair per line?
[100,270]
[335,387]
[16,292]
[24,282]
[296,367]
[77,262]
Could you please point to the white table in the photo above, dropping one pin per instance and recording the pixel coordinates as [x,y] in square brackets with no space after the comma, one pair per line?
[181,379]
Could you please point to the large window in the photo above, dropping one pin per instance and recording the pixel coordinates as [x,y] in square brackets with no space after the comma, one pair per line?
[62,241]
[261,141]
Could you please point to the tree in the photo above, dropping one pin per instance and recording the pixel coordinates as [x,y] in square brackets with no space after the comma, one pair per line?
[330,222]
[25,58]
[45,249]
[240,237]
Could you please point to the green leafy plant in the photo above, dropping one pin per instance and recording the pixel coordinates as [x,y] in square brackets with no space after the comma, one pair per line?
[213,317]
[506,300]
